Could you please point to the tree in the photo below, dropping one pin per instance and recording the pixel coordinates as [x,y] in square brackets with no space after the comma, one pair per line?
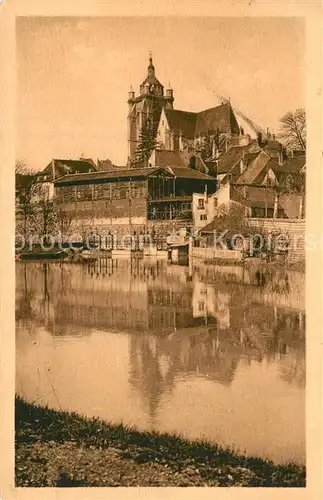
[205,143]
[291,183]
[147,143]
[231,218]
[64,219]
[293,129]
[45,208]
[25,192]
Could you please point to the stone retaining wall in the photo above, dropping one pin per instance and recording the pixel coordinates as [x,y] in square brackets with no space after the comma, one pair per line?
[295,229]
[213,253]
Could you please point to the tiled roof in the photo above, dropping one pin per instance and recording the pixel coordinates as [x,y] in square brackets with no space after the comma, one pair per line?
[182,122]
[249,157]
[166,158]
[189,173]
[64,167]
[254,169]
[209,228]
[220,117]
[152,80]
[179,172]
[272,147]
[273,144]
[231,157]
[193,124]
[289,166]
[131,173]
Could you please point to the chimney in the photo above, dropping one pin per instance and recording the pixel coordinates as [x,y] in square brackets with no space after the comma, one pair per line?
[259,139]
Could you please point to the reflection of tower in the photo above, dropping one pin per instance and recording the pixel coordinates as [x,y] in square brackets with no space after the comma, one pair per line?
[147,105]
[145,373]
[154,363]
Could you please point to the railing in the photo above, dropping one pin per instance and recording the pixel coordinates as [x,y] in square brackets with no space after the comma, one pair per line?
[170,214]
[134,242]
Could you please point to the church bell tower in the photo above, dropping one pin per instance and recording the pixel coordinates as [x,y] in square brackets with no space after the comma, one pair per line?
[147,105]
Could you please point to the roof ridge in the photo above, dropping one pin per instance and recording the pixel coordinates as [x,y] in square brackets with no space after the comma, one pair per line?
[85,160]
[181,111]
[214,107]
[113,171]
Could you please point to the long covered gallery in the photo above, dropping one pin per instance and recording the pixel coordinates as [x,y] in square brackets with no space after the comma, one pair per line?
[133,196]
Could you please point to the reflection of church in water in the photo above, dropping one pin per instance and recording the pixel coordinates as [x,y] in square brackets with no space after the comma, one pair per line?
[176,322]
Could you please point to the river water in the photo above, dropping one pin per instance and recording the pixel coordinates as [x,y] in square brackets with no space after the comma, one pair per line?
[202,351]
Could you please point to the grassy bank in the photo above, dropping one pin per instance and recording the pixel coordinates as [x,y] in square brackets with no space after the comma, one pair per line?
[59,449]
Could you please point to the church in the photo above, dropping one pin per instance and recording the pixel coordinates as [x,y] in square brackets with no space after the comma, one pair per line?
[176,130]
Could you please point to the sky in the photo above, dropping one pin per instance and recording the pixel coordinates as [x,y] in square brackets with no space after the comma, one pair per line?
[74,74]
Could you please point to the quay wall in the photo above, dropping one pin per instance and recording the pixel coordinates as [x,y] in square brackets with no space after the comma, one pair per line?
[295,229]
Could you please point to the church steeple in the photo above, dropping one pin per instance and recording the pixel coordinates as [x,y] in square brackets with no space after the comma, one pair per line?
[147,105]
[151,67]
[151,82]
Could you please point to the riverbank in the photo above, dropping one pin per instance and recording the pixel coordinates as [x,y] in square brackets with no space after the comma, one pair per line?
[298,265]
[60,449]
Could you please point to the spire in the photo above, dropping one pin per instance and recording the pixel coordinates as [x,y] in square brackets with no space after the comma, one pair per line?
[151,67]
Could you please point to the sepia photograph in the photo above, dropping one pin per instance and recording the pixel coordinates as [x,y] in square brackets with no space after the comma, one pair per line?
[160,242]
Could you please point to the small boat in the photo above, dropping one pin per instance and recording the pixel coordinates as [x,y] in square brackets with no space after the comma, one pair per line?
[41,255]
